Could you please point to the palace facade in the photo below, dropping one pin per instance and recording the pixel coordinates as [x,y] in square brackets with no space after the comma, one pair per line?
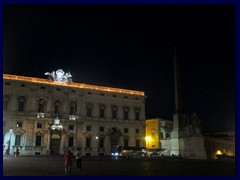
[54,115]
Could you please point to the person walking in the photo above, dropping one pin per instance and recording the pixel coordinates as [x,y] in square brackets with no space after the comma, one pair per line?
[78,156]
[17,152]
[68,162]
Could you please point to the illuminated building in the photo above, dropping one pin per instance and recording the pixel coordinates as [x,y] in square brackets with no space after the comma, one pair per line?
[158,130]
[220,145]
[54,115]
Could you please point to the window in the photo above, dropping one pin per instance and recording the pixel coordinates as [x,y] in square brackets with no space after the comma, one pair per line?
[42,87]
[114,95]
[41,104]
[137,115]
[5,102]
[40,108]
[17,140]
[125,142]
[73,91]
[21,106]
[23,85]
[102,113]
[89,128]
[56,109]
[125,97]
[71,127]
[89,112]
[70,142]
[125,130]
[125,114]
[101,129]
[137,131]
[72,107]
[89,92]
[19,124]
[58,89]
[7,83]
[102,94]
[114,113]
[72,110]
[101,142]
[38,140]
[5,105]
[39,125]
[57,105]
[88,142]
[138,143]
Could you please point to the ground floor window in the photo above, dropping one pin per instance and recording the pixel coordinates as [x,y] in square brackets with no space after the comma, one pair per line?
[70,142]
[138,143]
[38,140]
[88,142]
[17,140]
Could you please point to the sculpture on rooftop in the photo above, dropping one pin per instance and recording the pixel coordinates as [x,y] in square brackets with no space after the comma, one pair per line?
[59,76]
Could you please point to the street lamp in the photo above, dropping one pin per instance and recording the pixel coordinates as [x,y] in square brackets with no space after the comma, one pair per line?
[148,140]
[9,142]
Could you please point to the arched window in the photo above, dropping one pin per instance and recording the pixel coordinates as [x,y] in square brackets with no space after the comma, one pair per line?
[5,102]
[38,140]
[57,107]
[102,111]
[89,108]
[114,112]
[21,103]
[126,112]
[72,108]
[41,104]
[137,114]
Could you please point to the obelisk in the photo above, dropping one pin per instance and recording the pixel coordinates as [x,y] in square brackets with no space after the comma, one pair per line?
[183,144]
[179,117]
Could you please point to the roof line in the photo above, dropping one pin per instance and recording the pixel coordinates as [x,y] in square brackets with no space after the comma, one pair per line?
[75,85]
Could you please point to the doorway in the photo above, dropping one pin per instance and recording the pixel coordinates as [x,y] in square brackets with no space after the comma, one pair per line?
[55,144]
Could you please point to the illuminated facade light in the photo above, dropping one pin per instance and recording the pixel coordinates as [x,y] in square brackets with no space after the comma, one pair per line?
[72,117]
[219,152]
[40,115]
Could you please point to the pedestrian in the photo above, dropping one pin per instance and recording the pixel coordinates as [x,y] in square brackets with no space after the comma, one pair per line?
[78,156]
[17,152]
[68,162]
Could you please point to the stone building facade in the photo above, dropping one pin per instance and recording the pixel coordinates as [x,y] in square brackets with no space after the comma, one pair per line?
[54,115]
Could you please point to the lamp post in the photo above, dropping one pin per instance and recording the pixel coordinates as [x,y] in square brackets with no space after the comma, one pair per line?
[148,140]
[9,142]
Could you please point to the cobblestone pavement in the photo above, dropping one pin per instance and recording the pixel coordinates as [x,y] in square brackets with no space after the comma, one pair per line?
[108,166]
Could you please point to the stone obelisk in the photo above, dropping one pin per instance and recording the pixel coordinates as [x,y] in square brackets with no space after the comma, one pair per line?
[179,117]
[182,143]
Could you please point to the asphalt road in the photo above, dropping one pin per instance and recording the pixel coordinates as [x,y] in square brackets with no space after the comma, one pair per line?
[107,166]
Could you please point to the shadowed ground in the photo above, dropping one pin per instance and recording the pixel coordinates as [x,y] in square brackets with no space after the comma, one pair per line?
[107,166]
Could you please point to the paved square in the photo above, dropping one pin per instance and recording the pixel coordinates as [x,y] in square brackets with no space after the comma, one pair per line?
[108,166]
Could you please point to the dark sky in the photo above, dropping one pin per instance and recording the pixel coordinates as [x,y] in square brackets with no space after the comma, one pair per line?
[131,46]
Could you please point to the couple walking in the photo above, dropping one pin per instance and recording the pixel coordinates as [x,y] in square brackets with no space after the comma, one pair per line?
[68,159]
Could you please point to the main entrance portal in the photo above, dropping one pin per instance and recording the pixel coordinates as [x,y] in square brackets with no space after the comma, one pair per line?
[55,144]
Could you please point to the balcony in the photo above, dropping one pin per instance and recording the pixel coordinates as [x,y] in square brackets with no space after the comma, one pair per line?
[40,115]
[72,117]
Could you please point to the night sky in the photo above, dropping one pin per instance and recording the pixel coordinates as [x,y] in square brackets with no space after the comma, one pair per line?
[132,47]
